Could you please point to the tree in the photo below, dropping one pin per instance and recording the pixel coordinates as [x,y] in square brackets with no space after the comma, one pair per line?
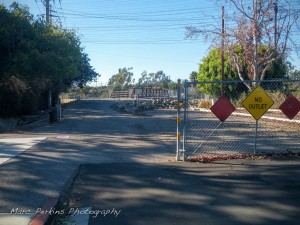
[158,79]
[16,41]
[173,85]
[259,34]
[294,74]
[86,72]
[193,76]
[34,56]
[210,70]
[144,80]
[122,79]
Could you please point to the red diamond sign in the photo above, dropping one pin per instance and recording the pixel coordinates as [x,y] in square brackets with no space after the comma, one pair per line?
[222,108]
[290,107]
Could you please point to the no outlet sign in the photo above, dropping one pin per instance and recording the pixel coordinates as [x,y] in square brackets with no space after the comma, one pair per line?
[257,102]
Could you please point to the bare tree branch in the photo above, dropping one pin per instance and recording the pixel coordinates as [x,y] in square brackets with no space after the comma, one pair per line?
[262,40]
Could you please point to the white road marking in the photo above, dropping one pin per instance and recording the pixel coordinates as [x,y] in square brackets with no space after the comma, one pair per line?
[62,137]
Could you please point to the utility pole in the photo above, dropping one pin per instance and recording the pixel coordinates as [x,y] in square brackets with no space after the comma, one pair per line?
[55,114]
[48,22]
[223,36]
[275,24]
[47,12]
[275,32]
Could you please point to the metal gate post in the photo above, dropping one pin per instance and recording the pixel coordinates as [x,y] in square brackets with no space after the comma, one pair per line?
[178,119]
[185,105]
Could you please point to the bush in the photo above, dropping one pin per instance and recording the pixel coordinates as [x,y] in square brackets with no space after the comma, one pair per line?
[206,104]
[12,91]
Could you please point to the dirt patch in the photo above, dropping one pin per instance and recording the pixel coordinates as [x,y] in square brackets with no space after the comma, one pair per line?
[209,159]
[8,124]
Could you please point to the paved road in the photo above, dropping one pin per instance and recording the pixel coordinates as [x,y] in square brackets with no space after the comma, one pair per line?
[128,163]
[229,192]
[91,133]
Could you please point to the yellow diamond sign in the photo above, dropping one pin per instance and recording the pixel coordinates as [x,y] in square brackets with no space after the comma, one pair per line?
[257,102]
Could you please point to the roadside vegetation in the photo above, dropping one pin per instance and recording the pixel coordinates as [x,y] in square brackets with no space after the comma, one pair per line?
[37,59]
[254,44]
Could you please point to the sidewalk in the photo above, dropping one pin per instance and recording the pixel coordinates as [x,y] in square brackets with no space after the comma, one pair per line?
[10,147]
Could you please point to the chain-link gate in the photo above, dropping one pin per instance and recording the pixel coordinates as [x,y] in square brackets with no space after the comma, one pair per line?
[200,132]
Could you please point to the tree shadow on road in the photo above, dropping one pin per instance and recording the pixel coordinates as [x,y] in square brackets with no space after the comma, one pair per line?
[184,193]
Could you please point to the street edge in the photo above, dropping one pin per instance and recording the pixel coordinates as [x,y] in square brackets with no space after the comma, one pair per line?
[41,219]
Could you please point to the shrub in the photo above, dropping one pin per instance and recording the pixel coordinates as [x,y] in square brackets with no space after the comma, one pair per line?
[206,104]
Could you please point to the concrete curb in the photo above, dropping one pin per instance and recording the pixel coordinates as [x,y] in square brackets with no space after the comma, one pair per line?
[42,217]
[63,196]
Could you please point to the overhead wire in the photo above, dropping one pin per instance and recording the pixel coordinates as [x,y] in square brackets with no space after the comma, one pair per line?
[138,22]
[154,25]
[61,11]
[38,6]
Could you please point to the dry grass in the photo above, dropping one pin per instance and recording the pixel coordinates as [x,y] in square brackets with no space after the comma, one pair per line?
[204,104]
[67,100]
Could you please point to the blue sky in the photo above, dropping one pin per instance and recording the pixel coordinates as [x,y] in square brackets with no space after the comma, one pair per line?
[146,35]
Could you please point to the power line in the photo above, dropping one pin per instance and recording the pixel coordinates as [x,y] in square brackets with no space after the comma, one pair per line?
[62,12]
[129,18]
[38,6]
[140,23]
[145,27]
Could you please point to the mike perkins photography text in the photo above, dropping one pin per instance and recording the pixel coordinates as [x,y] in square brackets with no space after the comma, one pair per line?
[73,211]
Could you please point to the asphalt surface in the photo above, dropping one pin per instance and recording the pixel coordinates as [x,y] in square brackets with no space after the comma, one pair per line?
[126,163]
[228,192]
[91,132]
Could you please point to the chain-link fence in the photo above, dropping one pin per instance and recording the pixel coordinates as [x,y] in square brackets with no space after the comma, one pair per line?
[86,93]
[202,133]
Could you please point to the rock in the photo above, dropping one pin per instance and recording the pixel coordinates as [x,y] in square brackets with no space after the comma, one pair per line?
[137,106]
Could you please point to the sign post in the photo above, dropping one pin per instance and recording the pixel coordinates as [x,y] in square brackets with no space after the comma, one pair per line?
[178,119]
[257,104]
[255,138]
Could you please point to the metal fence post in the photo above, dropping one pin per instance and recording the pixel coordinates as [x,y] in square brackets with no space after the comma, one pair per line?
[178,119]
[203,134]
[185,105]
